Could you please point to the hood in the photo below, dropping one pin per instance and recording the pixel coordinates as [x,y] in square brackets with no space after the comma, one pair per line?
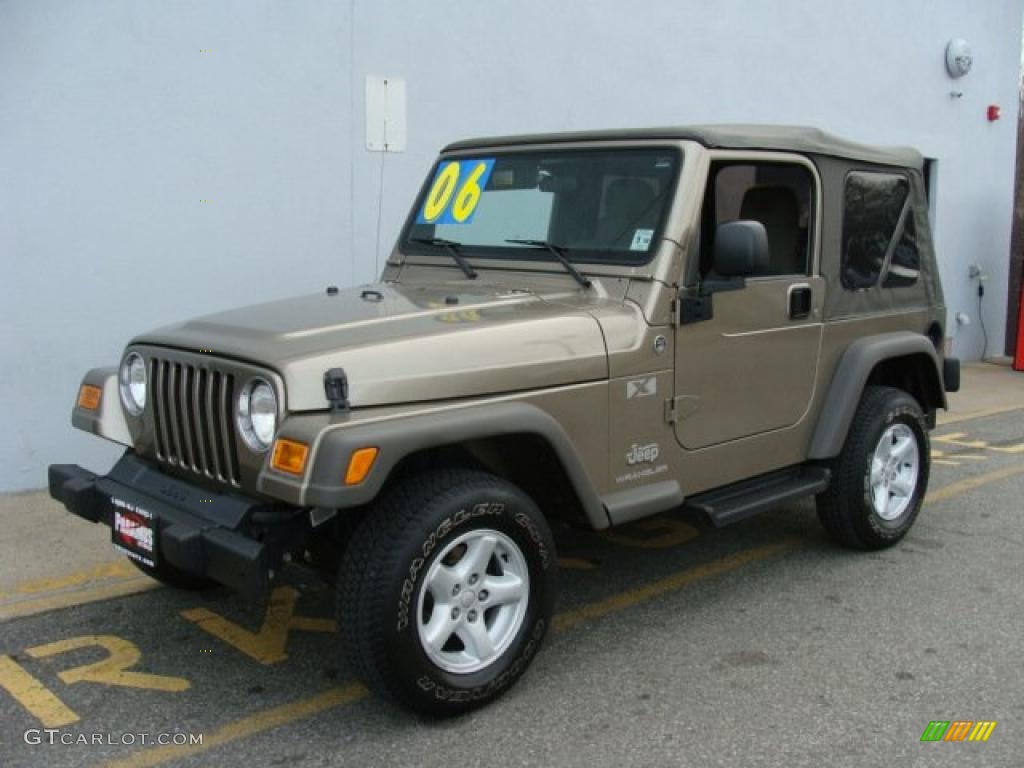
[405,343]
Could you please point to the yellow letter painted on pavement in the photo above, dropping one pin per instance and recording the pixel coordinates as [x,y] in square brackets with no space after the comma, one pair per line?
[113,670]
[40,702]
[267,645]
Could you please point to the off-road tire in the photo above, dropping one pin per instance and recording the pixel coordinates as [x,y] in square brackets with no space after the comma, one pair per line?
[389,557]
[846,509]
[172,576]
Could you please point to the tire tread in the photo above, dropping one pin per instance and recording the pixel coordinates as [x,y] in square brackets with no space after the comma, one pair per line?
[840,507]
[365,567]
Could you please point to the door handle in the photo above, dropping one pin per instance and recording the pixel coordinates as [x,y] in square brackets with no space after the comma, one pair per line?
[799,301]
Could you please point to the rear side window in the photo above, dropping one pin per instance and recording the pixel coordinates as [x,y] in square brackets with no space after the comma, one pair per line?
[905,264]
[874,203]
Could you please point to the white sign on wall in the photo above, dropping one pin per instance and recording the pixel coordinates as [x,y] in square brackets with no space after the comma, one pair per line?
[385,114]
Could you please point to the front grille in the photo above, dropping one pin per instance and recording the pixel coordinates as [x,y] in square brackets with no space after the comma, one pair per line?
[192,413]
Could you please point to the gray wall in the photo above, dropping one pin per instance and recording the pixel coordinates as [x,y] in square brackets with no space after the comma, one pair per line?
[114,126]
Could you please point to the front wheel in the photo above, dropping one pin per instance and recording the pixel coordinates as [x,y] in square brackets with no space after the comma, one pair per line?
[880,477]
[446,590]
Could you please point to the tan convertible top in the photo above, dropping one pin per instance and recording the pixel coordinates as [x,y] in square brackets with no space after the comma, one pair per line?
[800,139]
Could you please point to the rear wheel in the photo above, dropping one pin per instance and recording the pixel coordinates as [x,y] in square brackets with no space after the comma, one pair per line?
[880,478]
[446,590]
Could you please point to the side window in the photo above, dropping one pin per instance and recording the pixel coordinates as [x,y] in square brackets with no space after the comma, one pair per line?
[779,195]
[873,204]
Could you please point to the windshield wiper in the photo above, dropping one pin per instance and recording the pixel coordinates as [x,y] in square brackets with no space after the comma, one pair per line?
[453,249]
[558,251]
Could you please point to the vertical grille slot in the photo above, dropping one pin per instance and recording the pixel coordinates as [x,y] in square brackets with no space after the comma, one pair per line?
[226,424]
[184,413]
[198,377]
[155,376]
[212,389]
[173,420]
[193,419]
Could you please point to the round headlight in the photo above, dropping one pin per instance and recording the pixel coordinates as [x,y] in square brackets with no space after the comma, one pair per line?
[257,414]
[133,383]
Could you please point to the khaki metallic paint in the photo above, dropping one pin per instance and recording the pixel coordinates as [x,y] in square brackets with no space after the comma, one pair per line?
[751,368]
[748,386]
[574,408]
[410,346]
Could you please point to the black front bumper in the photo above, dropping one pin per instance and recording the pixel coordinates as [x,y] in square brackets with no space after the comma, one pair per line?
[231,539]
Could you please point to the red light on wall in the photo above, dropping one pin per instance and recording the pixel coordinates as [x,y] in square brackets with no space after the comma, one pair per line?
[994,113]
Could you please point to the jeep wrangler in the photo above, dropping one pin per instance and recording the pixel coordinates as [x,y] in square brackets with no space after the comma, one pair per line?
[588,327]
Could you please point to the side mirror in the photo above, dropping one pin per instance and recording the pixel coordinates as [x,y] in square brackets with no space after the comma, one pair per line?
[741,249]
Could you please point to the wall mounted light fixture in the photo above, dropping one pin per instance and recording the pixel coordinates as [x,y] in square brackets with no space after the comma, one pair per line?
[958,58]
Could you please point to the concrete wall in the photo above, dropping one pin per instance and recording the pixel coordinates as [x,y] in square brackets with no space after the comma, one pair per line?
[118,119]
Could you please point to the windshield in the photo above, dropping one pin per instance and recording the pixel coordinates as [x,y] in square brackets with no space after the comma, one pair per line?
[603,205]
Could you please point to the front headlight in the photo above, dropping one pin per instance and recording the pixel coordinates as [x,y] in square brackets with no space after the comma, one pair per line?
[257,414]
[133,383]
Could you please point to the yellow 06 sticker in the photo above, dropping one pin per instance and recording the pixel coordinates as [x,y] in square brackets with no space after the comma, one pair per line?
[455,192]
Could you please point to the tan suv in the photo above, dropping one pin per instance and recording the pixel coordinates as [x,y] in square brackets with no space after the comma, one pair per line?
[592,327]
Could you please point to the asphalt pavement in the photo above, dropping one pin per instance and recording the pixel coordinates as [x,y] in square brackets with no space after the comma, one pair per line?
[676,644]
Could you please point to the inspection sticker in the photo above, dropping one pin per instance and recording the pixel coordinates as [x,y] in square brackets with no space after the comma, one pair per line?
[641,239]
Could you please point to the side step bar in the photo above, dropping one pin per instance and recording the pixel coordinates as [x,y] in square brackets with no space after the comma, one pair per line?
[742,500]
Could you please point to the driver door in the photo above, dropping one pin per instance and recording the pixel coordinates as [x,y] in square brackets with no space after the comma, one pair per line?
[750,368]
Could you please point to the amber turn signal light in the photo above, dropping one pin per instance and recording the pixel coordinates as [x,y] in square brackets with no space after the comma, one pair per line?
[359,465]
[89,397]
[289,456]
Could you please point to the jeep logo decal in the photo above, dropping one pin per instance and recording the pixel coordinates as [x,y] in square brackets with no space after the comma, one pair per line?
[642,454]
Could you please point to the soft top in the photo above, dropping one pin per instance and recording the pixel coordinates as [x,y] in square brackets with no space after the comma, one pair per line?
[800,139]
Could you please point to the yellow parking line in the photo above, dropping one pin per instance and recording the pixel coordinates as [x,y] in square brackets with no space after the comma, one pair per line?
[114,569]
[970,483]
[956,439]
[247,726]
[17,609]
[1018,448]
[955,418]
[569,619]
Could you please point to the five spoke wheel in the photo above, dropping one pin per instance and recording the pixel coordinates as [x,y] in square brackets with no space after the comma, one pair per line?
[472,601]
[894,471]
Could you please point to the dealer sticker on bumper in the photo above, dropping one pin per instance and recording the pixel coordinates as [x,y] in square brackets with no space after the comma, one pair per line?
[133,533]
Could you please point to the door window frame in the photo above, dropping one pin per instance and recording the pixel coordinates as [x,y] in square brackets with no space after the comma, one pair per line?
[759,157]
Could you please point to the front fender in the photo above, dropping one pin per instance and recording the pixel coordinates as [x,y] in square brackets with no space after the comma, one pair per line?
[108,420]
[332,445]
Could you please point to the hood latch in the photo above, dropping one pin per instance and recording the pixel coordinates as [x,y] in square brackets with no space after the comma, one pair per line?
[336,390]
